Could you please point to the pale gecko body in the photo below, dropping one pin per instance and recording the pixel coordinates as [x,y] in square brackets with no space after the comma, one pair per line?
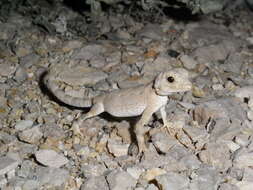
[142,100]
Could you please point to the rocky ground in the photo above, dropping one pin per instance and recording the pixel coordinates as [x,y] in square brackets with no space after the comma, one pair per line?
[213,148]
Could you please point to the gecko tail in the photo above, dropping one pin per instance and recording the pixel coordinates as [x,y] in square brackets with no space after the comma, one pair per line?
[52,86]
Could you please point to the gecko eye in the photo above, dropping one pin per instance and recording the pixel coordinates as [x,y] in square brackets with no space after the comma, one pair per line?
[170,79]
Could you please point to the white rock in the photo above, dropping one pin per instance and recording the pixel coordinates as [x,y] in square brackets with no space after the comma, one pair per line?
[73,44]
[135,172]
[188,62]
[250,103]
[217,87]
[213,52]
[152,31]
[153,173]
[7,164]
[23,124]
[50,158]
[250,115]
[231,145]
[245,185]
[205,178]
[242,139]
[32,135]
[120,180]
[3,181]
[250,40]
[117,148]
[244,92]
[163,142]
[217,155]
[152,187]
[227,186]
[248,174]
[93,183]
[11,174]
[93,170]
[89,52]
[140,188]
[244,159]
[172,181]
[6,70]
[191,162]
[30,184]
[21,74]
[52,176]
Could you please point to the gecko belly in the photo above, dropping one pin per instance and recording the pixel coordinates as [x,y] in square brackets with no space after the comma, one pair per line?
[126,103]
[126,110]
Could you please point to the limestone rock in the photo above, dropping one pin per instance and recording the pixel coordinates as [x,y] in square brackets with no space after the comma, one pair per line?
[120,180]
[7,164]
[50,158]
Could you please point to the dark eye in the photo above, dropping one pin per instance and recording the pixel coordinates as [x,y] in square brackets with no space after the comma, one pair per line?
[170,79]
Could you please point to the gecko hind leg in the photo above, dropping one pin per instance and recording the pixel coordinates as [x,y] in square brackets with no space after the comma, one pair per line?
[95,110]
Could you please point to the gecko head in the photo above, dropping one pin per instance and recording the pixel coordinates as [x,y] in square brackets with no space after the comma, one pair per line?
[175,80]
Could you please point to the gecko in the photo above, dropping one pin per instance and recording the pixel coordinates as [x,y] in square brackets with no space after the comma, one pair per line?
[143,100]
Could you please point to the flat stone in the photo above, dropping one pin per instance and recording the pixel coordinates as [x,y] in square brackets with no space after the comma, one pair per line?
[247,180]
[23,124]
[135,172]
[173,181]
[93,170]
[3,181]
[120,180]
[223,108]
[217,155]
[188,61]
[244,159]
[162,63]
[50,158]
[7,139]
[20,75]
[151,174]
[95,183]
[29,60]
[214,52]
[52,176]
[151,187]
[163,141]
[244,185]
[26,169]
[31,185]
[88,52]
[198,135]
[32,135]
[7,69]
[244,92]
[7,164]
[190,161]
[70,45]
[205,178]
[196,35]
[170,161]
[227,186]
[117,148]
[152,31]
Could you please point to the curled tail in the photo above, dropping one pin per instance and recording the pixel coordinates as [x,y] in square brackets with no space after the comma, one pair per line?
[51,84]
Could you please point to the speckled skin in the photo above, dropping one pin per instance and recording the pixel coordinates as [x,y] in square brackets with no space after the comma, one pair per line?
[143,100]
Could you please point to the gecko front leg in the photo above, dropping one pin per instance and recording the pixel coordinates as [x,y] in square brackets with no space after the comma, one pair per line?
[169,126]
[140,128]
